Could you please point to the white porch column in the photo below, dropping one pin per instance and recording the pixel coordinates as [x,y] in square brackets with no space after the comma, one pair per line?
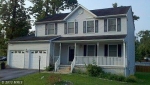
[60,50]
[75,51]
[54,53]
[124,57]
[124,54]
[97,52]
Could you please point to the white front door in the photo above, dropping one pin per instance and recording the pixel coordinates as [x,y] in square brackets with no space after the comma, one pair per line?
[34,59]
[17,59]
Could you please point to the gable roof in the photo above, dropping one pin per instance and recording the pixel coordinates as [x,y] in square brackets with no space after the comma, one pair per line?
[97,12]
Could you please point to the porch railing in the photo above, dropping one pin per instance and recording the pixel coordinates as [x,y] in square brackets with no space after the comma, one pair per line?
[99,60]
[73,63]
[57,63]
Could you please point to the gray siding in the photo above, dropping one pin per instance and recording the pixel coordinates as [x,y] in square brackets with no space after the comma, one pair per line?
[80,18]
[130,43]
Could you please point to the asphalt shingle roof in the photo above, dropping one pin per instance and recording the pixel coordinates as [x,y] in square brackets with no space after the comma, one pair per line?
[33,38]
[92,37]
[98,12]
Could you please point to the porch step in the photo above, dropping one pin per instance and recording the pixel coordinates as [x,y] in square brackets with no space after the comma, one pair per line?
[64,69]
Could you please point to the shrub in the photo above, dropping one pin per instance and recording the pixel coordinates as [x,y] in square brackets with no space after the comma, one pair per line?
[131,78]
[120,78]
[93,70]
[49,68]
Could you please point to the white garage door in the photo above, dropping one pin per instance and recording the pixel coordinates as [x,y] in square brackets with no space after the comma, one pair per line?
[17,59]
[34,59]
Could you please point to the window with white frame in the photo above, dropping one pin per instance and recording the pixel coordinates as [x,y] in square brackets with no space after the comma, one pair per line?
[112,24]
[50,29]
[112,50]
[90,26]
[71,27]
[91,50]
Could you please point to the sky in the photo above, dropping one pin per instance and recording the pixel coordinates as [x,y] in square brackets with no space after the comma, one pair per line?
[140,8]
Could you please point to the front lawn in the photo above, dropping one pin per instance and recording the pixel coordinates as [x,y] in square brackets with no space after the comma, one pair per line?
[79,79]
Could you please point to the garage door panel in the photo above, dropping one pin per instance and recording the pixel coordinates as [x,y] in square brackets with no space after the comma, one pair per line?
[17,59]
[34,63]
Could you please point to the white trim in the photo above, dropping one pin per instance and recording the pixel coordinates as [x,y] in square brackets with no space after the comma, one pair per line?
[43,22]
[78,8]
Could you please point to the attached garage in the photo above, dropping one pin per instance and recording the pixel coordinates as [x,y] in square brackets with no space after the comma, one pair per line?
[17,59]
[34,59]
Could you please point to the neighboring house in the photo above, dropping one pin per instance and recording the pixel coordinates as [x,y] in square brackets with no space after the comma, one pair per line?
[103,36]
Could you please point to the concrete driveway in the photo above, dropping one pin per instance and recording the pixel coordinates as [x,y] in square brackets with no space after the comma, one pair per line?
[8,74]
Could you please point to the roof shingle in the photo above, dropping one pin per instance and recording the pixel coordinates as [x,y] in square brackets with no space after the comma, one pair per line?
[98,12]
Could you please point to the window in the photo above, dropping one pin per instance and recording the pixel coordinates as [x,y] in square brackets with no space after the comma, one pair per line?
[70,27]
[90,26]
[50,29]
[91,50]
[112,50]
[111,24]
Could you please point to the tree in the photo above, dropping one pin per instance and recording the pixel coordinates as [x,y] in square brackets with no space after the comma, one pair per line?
[135,17]
[43,8]
[15,18]
[144,45]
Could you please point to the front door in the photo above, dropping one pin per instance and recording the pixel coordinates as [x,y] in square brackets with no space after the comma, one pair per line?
[71,53]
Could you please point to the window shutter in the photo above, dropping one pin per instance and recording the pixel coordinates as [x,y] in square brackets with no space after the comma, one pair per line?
[56,28]
[85,46]
[65,28]
[119,50]
[96,26]
[105,25]
[105,50]
[76,27]
[45,29]
[95,50]
[84,26]
[118,24]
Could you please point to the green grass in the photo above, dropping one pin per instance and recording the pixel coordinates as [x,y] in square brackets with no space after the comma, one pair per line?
[79,79]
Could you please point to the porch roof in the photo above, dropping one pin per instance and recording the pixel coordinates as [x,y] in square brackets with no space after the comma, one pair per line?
[103,37]
[33,38]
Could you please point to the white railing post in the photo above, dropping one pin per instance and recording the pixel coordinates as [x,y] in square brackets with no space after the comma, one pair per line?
[124,52]
[97,52]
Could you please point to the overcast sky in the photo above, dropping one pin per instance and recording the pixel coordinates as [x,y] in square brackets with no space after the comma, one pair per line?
[140,8]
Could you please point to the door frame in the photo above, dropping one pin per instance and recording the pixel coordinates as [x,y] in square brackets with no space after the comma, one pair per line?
[68,52]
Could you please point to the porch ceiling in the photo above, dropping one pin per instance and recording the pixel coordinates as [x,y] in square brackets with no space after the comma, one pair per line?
[91,38]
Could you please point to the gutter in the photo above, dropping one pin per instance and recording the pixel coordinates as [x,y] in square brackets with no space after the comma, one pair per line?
[43,22]
[108,16]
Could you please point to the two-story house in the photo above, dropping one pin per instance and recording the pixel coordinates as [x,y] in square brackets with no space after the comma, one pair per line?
[102,36]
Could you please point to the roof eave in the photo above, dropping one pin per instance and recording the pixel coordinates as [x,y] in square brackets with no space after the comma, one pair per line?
[43,22]
[109,16]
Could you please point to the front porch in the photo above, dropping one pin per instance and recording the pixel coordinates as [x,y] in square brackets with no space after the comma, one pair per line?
[110,53]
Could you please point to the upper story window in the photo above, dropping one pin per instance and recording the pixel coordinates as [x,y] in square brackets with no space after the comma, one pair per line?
[70,27]
[90,26]
[51,29]
[112,24]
